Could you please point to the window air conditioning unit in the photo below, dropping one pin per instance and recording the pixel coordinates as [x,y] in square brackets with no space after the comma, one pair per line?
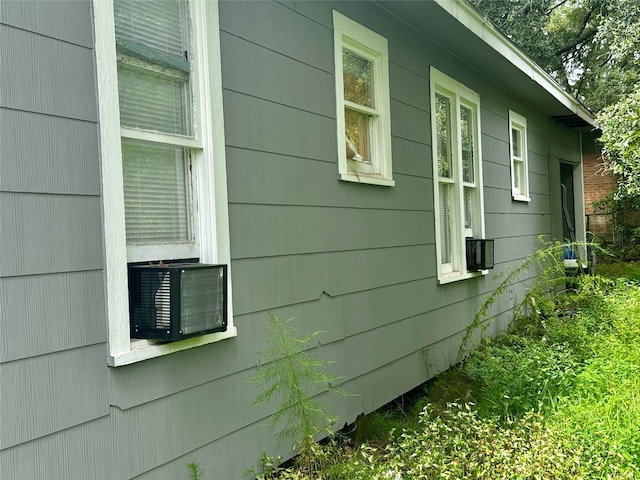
[178,300]
[479,254]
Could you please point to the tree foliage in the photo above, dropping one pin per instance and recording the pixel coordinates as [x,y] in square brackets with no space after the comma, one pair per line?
[620,139]
[591,47]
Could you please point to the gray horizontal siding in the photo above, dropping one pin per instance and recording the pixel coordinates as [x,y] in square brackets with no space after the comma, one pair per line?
[267,283]
[276,281]
[77,453]
[47,154]
[44,75]
[411,158]
[276,128]
[265,230]
[408,87]
[49,313]
[517,225]
[266,178]
[42,395]
[409,122]
[49,233]
[172,426]
[53,375]
[63,20]
[286,31]
[282,80]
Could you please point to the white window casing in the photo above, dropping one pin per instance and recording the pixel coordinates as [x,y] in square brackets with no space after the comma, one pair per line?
[362,103]
[200,169]
[457,173]
[519,157]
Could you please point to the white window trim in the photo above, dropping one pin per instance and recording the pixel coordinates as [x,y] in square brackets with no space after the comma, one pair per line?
[209,175]
[519,122]
[439,82]
[354,36]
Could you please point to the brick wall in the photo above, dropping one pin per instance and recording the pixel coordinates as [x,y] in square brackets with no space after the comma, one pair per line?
[597,183]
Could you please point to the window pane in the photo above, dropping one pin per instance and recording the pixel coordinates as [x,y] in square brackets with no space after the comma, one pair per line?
[357,131]
[158,24]
[358,78]
[152,100]
[468,206]
[516,142]
[445,222]
[517,174]
[443,135]
[467,142]
[155,193]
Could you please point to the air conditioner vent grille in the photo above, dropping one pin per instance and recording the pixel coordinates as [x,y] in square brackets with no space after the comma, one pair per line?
[171,302]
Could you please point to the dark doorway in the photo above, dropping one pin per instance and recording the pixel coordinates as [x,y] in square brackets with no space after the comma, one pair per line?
[568,202]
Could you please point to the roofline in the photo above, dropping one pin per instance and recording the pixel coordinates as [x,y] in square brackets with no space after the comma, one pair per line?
[472,19]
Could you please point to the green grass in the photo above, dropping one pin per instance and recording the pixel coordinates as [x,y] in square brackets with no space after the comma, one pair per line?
[555,397]
[618,269]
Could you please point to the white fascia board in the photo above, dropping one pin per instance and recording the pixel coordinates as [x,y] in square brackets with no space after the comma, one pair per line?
[476,23]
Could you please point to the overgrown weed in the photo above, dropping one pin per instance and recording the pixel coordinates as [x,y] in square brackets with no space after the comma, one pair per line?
[555,397]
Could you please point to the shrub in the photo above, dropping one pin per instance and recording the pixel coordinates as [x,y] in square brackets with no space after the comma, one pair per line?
[519,375]
[293,378]
[462,445]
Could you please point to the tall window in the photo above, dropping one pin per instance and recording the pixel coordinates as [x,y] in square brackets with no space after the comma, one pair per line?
[155,87]
[162,148]
[457,165]
[519,163]
[362,100]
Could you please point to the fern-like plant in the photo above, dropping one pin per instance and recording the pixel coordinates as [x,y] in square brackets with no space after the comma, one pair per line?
[292,378]
[195,472]
[548,264]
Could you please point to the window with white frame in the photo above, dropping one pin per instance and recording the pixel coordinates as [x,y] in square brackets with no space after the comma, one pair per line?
[518,150]
[457,173]
[162,148]
[362,103]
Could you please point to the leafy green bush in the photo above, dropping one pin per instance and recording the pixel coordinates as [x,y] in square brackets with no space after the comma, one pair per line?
[462,445]
[519,375]
[620,124]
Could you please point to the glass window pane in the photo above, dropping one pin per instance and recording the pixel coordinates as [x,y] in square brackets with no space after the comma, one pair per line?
[516,142]
[358,78]
[517,174]
[152,100]
[158,24]
[467,142]
[445,222]
[443,135]
[357,132]
[469,193]
[155,193]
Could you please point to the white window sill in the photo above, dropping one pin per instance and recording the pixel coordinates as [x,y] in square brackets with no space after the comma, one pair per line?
[367,178]
[146,349]
[521,198]
[457,276]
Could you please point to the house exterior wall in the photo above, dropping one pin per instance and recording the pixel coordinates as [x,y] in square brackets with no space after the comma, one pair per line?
[357,261]
[54,408]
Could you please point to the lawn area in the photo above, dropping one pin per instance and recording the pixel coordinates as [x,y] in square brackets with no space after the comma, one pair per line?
[557,396]
[630,270]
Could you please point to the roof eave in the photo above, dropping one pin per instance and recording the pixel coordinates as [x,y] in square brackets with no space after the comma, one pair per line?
[479,26]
